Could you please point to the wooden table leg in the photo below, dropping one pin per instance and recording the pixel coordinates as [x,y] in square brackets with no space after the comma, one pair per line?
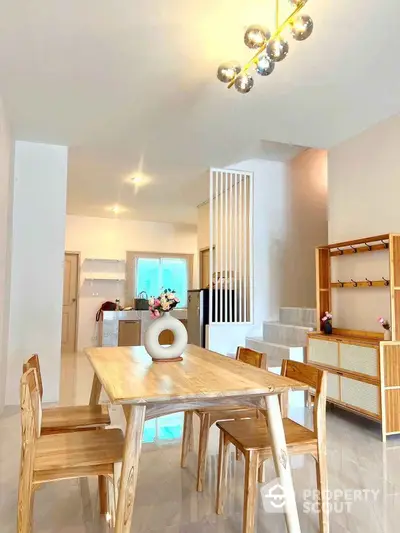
[282,464]
[187,435]
[130,465]
[205,422]
[96,391]
[102,481]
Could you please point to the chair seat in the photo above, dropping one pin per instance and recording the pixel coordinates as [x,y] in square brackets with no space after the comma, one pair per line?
[253,434]
[78,449]
[68,418]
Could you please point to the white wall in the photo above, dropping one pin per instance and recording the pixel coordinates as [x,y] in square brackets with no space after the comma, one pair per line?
[38,224]
[290,220]
[364,184]
[6,181]
[270,228]
[110,239]
[307,217]
[364,190]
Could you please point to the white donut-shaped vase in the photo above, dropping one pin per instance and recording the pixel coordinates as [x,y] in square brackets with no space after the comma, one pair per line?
[159,352]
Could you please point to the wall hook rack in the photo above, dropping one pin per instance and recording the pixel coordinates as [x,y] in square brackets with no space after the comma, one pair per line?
[341,283]
[354,282]
[370,244]
[386,281]
[369,282]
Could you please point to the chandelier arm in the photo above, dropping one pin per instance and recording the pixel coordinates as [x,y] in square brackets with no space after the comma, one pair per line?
[264,46]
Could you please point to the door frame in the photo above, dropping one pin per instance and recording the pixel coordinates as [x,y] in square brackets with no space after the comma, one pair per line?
[78,285]
[201,250]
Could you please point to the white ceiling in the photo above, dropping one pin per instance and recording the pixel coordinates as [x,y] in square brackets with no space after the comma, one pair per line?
[130,85]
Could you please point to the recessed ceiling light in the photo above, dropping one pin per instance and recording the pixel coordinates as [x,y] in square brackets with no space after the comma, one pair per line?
[137,179]
[116,209]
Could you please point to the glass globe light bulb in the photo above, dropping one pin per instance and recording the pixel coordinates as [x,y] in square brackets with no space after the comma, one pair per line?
[227,71]
[244,83]
[255,36]
[264,65]
[277,49]
[302,27]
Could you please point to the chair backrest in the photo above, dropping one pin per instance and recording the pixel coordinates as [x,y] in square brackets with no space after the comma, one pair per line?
[251,357]
[31,407]
[33,362]
[316,379]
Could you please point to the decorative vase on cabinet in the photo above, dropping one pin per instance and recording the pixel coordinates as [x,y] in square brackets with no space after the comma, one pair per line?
[166,353]
[326,322]
[387,335]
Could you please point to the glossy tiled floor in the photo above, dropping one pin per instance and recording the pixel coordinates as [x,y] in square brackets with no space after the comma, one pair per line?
[167,502]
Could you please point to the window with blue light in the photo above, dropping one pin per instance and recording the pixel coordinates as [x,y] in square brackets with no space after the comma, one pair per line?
[153,274]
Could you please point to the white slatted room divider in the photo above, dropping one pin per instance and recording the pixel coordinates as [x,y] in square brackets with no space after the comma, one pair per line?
[231,238]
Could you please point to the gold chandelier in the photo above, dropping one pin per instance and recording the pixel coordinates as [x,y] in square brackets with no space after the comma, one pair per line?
[271,48]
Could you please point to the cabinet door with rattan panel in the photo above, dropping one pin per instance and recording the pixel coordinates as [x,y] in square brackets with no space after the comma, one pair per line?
[360,395]
[359,358]
[323,352]
[333,392]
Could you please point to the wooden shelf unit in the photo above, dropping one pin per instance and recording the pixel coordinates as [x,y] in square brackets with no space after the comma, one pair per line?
[363,369]
[387,243]
[104,277]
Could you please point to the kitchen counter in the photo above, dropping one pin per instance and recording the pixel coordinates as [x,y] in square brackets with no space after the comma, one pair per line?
[109,326]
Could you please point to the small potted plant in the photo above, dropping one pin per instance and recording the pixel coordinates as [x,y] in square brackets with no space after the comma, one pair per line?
[387,334]
[164,303]
[327,323]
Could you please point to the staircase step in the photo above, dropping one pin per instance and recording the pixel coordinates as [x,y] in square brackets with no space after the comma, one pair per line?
[276,352]
[298,316]
[286,334]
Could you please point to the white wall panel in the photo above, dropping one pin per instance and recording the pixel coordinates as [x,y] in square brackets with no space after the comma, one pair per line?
[231,226]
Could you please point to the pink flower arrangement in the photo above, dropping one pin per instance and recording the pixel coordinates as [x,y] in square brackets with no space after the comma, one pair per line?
[327,316]
[384,323]
[158,305]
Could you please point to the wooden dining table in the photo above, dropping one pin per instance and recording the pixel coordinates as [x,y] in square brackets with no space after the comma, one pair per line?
[148,389]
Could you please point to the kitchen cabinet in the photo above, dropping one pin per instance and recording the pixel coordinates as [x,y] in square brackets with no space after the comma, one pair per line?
[129,333]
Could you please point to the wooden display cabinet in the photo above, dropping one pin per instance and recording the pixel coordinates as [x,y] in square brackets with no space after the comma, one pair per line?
[363,369]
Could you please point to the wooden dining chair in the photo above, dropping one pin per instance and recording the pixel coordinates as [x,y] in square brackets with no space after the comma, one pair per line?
[210,416]
[64,419]
[48,458]
[251,437]
[71,418]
